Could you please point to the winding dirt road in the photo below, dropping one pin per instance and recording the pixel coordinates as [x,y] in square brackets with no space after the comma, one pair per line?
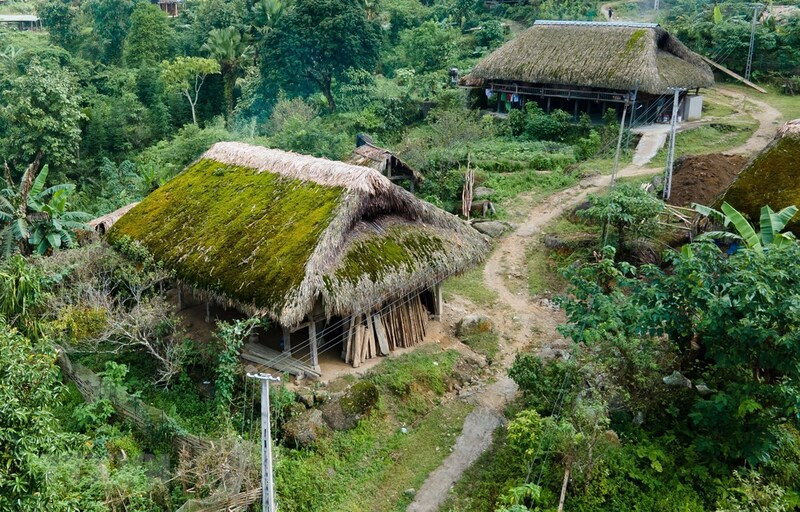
[525,323]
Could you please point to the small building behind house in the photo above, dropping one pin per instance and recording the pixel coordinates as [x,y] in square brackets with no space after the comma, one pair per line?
[21,21]
[343,262]
[170,7]
[367,154]
[589,67]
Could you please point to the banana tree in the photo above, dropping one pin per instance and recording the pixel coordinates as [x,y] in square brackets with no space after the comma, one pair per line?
[33,217]
[771,223]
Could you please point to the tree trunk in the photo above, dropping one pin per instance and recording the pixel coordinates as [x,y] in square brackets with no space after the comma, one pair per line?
[563,490]
[326,90]
[229,84]
[191,105]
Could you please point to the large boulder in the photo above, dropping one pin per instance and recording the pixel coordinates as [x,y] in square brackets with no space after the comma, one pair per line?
[772,178]
[482,193]
[303,430]
[492,228]
[473,324]
[344,412]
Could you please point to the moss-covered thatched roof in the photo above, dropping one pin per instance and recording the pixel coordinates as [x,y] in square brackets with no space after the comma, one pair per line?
[772,178]
[274,232]
[616,56]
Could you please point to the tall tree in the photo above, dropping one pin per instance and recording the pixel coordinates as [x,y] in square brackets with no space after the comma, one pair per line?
[317,41]
[186,75]
[61,20]
[111,23]
[41,112]
[230,49]
[150,36]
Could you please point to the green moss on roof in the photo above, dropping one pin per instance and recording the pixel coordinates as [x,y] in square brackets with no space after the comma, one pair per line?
[399,249]
[773,178]
[232,230]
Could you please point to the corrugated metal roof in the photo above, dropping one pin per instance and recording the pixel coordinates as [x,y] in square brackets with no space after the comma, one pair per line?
[627,24]
[18,18]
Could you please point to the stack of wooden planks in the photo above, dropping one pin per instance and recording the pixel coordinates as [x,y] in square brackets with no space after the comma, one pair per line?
[377,334]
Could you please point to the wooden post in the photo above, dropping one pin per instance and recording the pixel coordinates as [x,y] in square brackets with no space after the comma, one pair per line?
[345,337]
[287,340]
[180,298]
[437,302]
[208,312]
[312,336]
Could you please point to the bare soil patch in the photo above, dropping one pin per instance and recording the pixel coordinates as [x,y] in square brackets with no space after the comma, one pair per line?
[703,178]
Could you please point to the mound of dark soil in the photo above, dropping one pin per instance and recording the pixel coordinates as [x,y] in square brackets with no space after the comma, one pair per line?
[703,178]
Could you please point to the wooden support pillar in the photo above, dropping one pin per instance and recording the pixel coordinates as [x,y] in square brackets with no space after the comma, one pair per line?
[345,337]
[548,104]
[180,298]
[576,110]
[208,312]
[312,336]
[437,302]
[287,341]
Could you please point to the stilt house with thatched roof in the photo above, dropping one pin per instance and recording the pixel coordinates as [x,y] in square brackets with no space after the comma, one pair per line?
[589,67]
[336,255]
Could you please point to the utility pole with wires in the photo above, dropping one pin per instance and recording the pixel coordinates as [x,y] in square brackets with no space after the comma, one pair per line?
[671,150]
[616,159]
[756,8]
[267,485]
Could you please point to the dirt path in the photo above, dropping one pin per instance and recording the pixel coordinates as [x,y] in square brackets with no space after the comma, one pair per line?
[768,118]
[524,322]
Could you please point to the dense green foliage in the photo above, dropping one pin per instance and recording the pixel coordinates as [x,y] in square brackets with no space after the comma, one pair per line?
[115,98]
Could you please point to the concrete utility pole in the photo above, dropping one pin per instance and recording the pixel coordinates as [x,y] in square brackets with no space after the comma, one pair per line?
[619,142]
[756,8]
[267,486]
[671,151]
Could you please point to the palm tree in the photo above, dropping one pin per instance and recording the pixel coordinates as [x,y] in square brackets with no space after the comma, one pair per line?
[11,58]
[36,218]
[230,49]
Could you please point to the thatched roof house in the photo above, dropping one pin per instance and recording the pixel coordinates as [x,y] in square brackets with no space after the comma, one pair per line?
[772,178]
[591,61]
[367,154]
[298,238]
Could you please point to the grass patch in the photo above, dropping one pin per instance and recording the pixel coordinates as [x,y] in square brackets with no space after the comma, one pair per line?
[507,186]
[543,274]
[713,138]
[789,106]
[368,468]
[471,286]
[484,343]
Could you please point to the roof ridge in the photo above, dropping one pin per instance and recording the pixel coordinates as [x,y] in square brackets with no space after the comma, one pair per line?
[624,24]
[328,173]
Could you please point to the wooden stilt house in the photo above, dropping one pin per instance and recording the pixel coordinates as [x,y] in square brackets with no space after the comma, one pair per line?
[337,256]
[590,67]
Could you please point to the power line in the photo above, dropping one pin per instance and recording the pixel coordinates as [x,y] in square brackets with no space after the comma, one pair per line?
[756,8]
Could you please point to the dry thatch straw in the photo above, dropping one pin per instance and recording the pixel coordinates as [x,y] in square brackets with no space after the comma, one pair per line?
[104,223]
[275,233]
[619,56]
